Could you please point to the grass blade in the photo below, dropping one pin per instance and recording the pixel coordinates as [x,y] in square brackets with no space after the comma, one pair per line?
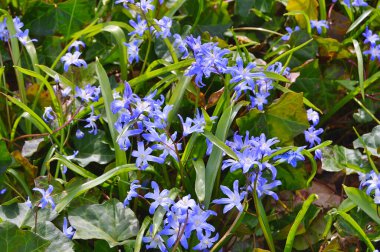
[91,184]
[263,221]
[141,232]
[75,168]
[220,144]
[301,214]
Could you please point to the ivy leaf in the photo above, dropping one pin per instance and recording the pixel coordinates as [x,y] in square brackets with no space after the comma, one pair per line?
[59,242]
[14,239]
[93,149]
[285,118]
[310,7]
[338,158]
[109,221]
[46,19]
[371,140]
[21,215]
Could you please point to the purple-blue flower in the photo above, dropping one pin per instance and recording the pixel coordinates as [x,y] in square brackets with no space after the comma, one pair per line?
[165,24]
[155,241]
[79,134]
[173,229]
[76,44]
[132,192]
[180,44]
[233,199]
[319,25]
[143,156]
[145,5]
[23,37]
[312,116]
[312,136]
[370,37]
[259,100]
[160,198]
[91,122]
[139,27]
[197,220]
[88,93]
[286,37]
[292,157]
[68,231]
[374,52]
[205,240]
[262,186]
[133,50]
[72,59]
[48,114]
[46,198]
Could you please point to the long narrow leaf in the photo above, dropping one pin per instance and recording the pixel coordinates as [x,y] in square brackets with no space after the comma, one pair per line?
[91,184]
[359,56]
[301,214]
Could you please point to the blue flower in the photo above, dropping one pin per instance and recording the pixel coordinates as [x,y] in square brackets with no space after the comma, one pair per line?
[155,242]
[46,198]
[145,5]
[197,221]
[373,182]
[91,122]
[180,44]
[246,160]
[374,52]
[312,116]
[125,2]
[76,44]
[18,24]
[128,98]
[68,231]
[286,37]
[311,136]
[319,24]
[165,143]
[72,59]
[79,134]
[185,203]
[370,37]
[205,241]
[124,134]
[132,192]
[359,3]
[139,28]
[48,114]
[72,156]
[133,50]
[160,198]
[262,186]
[23,37]
[318,154]
[194,125]
[234,198]
[174,229]
[143,156]
[88,93]
[4,33]
[243,76]
[263,145]
[259,100]
[2,191]
[292,157]
[164,24]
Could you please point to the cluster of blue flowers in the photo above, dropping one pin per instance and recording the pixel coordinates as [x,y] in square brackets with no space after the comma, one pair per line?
[21,35]
[182,219]
[73,58]
[372,39]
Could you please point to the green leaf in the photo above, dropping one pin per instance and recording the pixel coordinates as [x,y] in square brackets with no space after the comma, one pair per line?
[263,221]
[337,158]
[360,19]
[358,229]
[141,232]
[284,119]
[363,201]
[220,144]
[359,56]
[300,216]
[14,239]
[92,149]
[109,221]
[59,242]
[21,215]
[31,146]
[200,183]
[371,140]
[80,189]
[62,18]
[310,7]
